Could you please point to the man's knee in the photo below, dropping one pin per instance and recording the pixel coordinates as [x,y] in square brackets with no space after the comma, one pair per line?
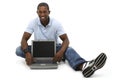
[19,51]
[70,50]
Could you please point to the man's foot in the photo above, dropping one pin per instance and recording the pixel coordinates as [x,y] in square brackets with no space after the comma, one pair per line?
[91,66]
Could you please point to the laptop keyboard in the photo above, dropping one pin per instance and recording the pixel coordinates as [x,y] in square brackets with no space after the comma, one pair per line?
[44,61]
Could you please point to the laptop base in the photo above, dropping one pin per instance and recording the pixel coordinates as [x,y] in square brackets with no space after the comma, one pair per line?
[43,66]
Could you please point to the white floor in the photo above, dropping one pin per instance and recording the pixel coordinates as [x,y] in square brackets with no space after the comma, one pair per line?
[93,26]
[13,67]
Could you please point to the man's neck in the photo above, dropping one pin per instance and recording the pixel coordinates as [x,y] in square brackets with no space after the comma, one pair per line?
[45,23]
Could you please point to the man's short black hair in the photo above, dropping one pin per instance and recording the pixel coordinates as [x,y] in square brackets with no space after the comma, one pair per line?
[43,4]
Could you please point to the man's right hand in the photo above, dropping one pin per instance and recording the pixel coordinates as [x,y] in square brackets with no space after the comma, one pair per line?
[28,58]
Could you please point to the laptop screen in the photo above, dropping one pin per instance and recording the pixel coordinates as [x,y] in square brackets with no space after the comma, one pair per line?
[43,48]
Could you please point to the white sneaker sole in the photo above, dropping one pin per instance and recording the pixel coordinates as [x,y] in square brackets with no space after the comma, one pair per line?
[98,63]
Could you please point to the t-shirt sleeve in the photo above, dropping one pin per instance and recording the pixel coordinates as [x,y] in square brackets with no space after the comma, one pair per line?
[29,28]
[60,30]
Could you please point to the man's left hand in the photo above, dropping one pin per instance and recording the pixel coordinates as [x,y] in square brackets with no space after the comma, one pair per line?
[58,57]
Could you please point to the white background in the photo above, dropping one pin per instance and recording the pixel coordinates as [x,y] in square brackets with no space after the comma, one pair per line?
[92,27]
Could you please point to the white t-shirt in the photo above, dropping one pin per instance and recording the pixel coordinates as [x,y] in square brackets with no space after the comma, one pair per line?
[51,32]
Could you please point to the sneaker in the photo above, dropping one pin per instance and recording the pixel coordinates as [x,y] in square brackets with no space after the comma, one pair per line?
[91,66]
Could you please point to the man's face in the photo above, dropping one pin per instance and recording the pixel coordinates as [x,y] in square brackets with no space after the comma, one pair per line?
[43,13]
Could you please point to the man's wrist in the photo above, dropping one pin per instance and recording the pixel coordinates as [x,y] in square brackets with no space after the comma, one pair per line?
[26,50]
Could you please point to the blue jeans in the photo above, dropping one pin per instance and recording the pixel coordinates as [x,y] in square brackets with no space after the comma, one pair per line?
[70,55]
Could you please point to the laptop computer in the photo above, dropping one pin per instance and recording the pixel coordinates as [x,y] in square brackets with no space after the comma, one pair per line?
[43,53]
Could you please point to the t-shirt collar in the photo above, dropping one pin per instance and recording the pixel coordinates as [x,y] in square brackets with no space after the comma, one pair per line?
[39,23]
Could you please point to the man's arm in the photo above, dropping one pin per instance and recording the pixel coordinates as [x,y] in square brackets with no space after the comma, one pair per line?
[24,40]
[24,45]
[65,44]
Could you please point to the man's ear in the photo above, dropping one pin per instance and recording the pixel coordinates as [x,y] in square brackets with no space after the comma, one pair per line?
[49,12]
[37,11]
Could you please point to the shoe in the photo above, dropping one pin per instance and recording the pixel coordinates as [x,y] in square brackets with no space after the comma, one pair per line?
[91,66]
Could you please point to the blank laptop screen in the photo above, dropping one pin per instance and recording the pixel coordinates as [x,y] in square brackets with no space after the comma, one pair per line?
[43,48]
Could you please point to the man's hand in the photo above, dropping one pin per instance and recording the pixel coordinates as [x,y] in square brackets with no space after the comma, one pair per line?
[58,56]
[28,58]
